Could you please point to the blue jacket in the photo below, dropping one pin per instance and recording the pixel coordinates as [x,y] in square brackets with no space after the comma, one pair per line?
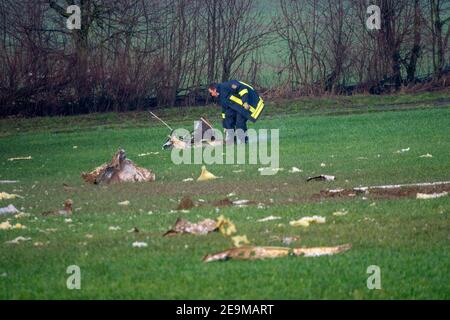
[233,94]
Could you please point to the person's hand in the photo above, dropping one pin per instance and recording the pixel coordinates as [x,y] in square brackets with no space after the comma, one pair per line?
[246,106]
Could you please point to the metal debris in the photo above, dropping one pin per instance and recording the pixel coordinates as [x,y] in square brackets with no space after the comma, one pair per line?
[256,253]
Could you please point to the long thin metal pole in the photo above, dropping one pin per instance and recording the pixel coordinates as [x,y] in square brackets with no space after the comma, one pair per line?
[161,120]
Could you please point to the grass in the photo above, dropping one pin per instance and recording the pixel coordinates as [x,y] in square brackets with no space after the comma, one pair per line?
[408,238]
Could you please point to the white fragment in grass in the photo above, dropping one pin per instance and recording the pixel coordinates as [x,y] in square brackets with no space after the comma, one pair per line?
[147,154]
[269,218]
[425,196]
[20,158]
[306,221]
[426,156]
[238,171]
[241,202]
[403,150]
[114,228]
[323,165]
[140,244]
[9,210]
[75,147]
[18,240]
[340,213]
[68,220]
[124,203]
[188,180]
[295,170]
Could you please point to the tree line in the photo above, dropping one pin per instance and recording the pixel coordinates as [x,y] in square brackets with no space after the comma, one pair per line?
[136,54]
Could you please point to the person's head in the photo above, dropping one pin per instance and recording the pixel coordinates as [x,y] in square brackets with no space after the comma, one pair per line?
[212,88]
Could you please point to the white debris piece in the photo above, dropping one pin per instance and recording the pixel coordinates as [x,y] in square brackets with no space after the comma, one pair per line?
[403,150]
[425,196]
[426,156]
[18,240]
[9,210]
[295,170]
[188,180]
[112,228]
[140,244]
[269,218]
[306,221]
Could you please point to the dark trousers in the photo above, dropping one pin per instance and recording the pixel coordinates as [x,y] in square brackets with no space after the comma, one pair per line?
[234,120]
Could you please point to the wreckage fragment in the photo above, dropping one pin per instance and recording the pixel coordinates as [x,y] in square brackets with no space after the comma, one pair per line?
[257,253]
[206,175]
[120,169]
[183,226]
[63,212]
[322,177]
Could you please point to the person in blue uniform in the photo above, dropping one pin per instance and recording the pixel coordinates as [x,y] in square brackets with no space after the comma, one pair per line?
[240,103]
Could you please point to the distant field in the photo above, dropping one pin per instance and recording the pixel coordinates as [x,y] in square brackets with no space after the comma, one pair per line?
[356,138]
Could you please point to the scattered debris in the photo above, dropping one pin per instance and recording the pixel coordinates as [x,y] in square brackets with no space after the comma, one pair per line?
[133,230]
[185,204]
[322,177]
[148,154]
[206,175]
[426,196]
[255,253]
[124,203]
[269,218]
[112,228]
[120,169]
[226,227]
[242,202]
[8,226]
[201,228]
[8,196]
[403,150]
[426,156]
[8,210]
[289,240]
[22,215]
[20,158]
[239,241]
[62,212]
[388,191]
[306,221]
[270,169]
[139,244]
[188,180]
[295,170]
[18,240]
[340,213]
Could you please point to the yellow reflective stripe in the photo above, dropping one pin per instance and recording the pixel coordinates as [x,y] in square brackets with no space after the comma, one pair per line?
[243,92]
[246,85]
[237,100]
[223,115]
[260,107]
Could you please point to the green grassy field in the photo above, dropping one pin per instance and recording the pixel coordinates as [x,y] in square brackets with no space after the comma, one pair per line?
[357,139]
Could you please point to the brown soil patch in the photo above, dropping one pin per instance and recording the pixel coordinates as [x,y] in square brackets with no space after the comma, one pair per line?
[394,193]
[185,204]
